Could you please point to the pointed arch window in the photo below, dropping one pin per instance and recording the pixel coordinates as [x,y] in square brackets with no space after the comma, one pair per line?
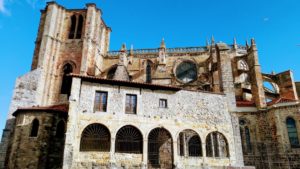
[67,80]
[34,128]
[292,132]
[76,27]
[148,72]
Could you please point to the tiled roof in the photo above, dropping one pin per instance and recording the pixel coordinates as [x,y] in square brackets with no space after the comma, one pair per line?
[62,108]
[127,83]
[280,100]
[245,103]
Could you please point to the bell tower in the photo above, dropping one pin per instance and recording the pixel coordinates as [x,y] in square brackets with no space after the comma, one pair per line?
[73,39]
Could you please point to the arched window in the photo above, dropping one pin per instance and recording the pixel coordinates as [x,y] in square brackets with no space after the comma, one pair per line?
[195,146]
[95,137]
[111,72]
[76,27]
[245,136]
[160,149]
[148,72]
[242,65]
[34,128]
[67,80]
[79,27]
[189,144]
[129,140]
[292,132]
[73,27]
[248,139]
[60,129]
[216,145]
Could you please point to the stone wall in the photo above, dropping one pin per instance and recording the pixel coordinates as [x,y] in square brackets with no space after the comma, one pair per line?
[43,151]
[202,112]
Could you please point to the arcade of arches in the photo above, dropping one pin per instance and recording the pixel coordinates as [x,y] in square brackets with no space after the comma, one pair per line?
[159,144]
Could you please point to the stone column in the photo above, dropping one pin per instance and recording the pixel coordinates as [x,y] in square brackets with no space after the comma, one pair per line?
[145,154]
[112,152]
[177,163]
[212,145]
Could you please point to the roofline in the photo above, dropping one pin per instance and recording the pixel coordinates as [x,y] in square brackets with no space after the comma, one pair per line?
[126,83]
[37,109]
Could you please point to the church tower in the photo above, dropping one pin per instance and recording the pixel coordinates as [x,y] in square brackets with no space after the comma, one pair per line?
[68,41]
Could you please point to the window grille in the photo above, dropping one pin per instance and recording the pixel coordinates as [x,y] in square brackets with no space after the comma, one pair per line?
[163,103]
[131,104]
[95,137]
[129,140]
[100,103]
[216,145]
[160,148]
[195,146]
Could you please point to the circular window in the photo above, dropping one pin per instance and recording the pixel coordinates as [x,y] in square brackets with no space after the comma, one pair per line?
[186,72]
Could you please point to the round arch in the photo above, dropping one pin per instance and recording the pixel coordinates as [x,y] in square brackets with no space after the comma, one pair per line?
[95,137]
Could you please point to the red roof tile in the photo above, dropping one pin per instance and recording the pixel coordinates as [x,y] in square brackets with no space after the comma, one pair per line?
[280,100]
[62,108]
[245,103]
[126,83]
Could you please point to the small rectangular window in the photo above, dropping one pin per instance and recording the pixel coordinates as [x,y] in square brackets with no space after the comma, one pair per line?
[131,104]
[100,103]
[163,103]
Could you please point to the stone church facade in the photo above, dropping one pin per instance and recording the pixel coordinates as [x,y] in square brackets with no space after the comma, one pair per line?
[83,106]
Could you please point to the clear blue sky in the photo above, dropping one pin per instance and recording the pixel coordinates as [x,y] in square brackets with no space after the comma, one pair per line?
[274,24]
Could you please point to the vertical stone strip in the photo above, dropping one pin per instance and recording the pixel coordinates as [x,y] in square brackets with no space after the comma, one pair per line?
[72,126]
[256,77]
[88,55]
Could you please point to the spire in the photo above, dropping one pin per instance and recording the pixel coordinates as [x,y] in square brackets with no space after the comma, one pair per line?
[162,44]
[273,72]
[247,45]
[212,40]
[252,42]
[234,43]
[123,48]
[207,43]
[131,50]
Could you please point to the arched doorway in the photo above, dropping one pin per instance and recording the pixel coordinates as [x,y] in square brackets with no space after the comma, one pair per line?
[160,149]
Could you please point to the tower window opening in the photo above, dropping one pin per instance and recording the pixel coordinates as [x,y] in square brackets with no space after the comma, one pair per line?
[67,80]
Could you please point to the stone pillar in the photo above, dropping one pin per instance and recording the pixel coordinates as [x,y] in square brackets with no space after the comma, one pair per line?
[239,160]
[145,154]
[177,163]
[72,128]
[255,76]
[112,160]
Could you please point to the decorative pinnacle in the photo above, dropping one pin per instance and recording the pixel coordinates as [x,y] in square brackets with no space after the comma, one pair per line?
[131,50]
[123,48]
[234,41]
[252,42]
[207,43]
[162,44]
[247,45]
[273,72]
[212,40]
